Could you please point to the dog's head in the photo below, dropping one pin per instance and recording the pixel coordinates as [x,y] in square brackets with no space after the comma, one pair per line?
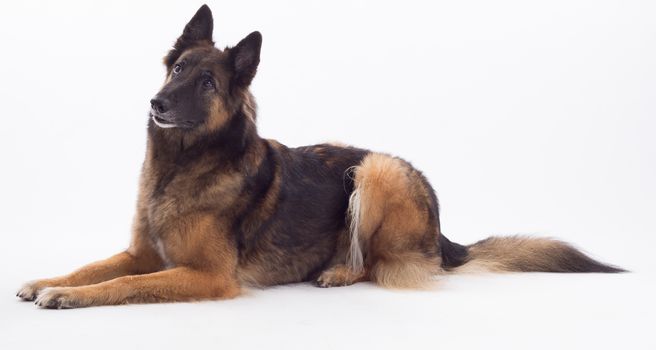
[205,87]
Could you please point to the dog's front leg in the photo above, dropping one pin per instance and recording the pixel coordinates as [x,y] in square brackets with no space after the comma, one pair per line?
[141,257]
[177,284]
[121,264]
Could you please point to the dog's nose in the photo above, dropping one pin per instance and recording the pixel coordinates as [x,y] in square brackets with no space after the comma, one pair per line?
[159,105]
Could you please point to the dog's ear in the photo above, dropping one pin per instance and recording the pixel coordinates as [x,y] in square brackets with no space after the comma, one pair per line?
[198,30]
[245,57]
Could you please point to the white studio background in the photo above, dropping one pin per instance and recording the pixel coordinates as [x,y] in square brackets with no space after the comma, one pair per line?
[534,117]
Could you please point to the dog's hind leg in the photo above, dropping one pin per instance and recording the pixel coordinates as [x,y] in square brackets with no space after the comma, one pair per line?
[394,227]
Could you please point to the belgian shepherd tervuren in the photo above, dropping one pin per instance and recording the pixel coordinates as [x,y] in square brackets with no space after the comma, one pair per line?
[220,208]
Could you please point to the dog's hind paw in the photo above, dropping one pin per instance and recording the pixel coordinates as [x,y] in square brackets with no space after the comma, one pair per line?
[338,276]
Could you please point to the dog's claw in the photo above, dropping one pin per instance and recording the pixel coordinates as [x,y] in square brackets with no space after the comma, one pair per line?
[28,292]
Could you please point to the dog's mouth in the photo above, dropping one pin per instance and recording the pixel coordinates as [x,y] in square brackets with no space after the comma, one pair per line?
[163,123]
[166,123]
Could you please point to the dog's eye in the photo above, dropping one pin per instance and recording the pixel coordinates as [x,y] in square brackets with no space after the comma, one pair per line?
[208,83]
[177,69]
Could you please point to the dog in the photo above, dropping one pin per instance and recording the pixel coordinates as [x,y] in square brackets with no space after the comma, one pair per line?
[220,208]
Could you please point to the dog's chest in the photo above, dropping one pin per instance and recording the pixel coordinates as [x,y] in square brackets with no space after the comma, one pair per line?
[174,192]
[187,206]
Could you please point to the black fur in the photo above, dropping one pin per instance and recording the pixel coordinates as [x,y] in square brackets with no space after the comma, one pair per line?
[199,29]
[453,254]
[309,213]
[245,58]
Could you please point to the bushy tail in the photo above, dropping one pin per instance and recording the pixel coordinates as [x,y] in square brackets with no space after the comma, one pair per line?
[527,254]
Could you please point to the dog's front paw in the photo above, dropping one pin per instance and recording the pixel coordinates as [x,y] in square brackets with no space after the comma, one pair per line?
[58,298]
[30,290]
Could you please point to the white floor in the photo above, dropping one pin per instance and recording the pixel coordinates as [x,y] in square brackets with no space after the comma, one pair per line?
[511,311]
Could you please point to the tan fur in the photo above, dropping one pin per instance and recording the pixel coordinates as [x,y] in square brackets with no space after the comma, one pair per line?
[121,264]
[406,270]
[218,115]
[517,253]
[337,144]
[177,284]
[249,106]
[386,220]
